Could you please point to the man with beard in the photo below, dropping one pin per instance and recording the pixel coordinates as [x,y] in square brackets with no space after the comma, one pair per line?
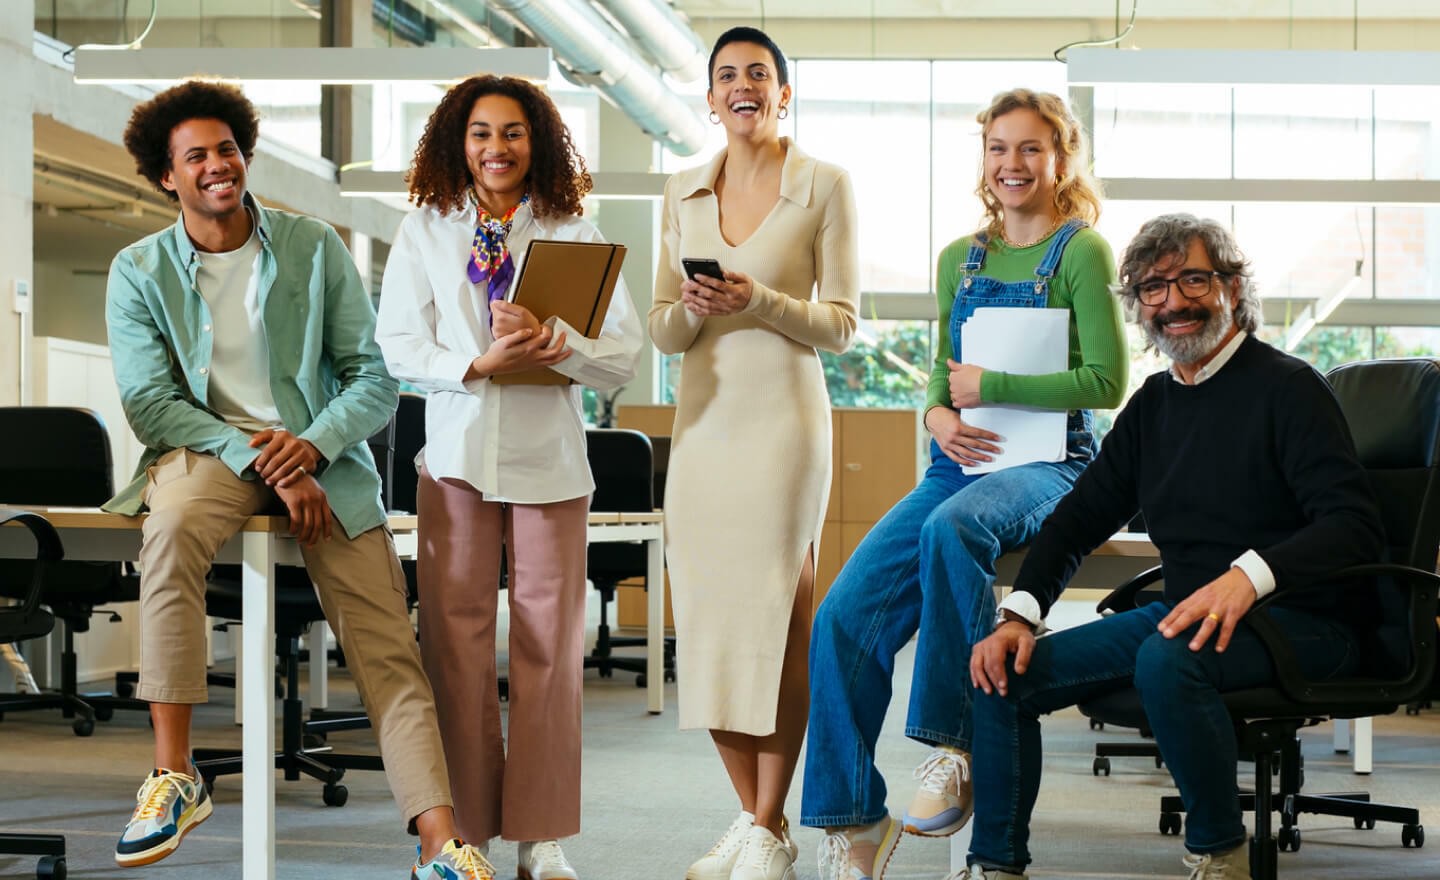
[1241,461]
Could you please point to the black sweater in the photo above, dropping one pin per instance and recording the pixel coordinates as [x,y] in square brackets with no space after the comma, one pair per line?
[1257,457]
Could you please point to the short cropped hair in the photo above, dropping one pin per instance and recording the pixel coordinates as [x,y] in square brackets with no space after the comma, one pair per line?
[745,34]
[440,177]
[147,136]
[1169,236]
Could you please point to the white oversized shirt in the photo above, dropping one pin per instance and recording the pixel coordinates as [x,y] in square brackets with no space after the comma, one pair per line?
[518,443]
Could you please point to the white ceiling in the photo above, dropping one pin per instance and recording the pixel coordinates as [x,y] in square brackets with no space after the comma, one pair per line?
[1062,9]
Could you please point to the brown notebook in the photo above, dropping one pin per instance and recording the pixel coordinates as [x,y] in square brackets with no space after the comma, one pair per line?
[571,279]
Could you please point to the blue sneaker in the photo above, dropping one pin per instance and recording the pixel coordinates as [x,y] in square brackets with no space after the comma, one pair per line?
[167,806]
[457,861]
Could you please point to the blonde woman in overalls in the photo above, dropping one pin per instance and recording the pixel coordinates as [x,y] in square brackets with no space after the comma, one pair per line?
[929,564]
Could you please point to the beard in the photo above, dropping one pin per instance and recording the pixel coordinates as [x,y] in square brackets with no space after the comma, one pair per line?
[1192,347]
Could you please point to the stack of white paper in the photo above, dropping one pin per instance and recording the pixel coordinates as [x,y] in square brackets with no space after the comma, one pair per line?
[1027,341]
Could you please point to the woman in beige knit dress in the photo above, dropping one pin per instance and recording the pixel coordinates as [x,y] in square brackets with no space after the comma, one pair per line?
[750,466]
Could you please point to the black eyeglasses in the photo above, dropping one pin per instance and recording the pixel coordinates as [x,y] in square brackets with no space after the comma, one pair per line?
[1192,284]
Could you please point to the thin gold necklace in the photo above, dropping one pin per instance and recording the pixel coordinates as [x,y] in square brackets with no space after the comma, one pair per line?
[1059,221]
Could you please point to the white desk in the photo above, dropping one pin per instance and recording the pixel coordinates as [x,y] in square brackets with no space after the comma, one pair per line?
[262,544]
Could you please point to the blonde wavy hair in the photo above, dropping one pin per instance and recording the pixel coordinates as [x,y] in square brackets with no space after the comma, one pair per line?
[1077,192]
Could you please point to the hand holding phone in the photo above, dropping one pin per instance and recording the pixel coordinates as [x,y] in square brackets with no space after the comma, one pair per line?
[704,266]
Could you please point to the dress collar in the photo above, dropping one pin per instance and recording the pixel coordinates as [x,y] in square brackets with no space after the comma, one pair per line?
[797,175]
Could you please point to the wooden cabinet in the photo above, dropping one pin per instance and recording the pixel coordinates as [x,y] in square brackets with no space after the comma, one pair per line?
[876,458]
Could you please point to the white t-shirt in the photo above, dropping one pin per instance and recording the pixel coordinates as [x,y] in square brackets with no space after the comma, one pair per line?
[239,380]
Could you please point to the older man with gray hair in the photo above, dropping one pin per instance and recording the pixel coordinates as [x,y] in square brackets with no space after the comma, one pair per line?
[1241,461]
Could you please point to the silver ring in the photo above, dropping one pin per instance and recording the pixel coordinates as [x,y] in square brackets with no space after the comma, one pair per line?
[301,469]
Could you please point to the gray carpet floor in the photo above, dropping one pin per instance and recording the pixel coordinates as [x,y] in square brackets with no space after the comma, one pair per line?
[655,798]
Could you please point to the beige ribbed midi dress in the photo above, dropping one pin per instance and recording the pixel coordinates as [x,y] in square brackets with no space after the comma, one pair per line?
[749,471]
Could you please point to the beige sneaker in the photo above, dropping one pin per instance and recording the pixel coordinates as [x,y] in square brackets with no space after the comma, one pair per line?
[716,864]
[945,800]
[1229,865]
[860,853]
[763,856]
[543,860]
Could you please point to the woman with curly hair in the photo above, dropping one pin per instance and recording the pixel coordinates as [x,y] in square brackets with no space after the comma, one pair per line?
[504,466]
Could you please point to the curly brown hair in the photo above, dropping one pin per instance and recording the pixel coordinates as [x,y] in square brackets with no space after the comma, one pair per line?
[439,176]
[147,136]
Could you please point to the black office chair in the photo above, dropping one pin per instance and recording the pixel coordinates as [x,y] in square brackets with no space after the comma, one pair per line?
[623,464]
[60,457]
[1393,409]
[297,608]
[19,623]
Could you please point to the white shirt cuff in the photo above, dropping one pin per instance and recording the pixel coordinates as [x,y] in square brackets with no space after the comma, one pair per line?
[1023,604]
[1261,578]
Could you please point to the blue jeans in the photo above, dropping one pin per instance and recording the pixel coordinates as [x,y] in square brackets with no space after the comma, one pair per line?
[929,564]
[1180,690]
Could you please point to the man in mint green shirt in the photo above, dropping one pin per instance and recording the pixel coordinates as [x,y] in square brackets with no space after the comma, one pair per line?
[243,346]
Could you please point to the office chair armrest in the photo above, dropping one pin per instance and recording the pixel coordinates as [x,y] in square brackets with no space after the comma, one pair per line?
[48,549]
[1424,586]
[1122,598]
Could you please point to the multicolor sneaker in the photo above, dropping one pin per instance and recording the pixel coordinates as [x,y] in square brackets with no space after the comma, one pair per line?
[945,800]
[167,806]
[717,863]
[457,861]
[975,872]
[544,860]
[859,853]
[1232,864]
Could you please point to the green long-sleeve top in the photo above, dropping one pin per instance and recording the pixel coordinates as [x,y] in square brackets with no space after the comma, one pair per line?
[1099,362]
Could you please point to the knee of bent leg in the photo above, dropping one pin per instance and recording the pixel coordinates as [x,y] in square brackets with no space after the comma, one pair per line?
[171,535]
[1163,665]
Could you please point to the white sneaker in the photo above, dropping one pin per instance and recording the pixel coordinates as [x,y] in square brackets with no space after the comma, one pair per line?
[1230,865]
[716,864]
[945,800]
[543,860]
[859,853]
[763,856]
[975,872]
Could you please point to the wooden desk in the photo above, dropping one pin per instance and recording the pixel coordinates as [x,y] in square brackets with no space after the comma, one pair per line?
[262,543]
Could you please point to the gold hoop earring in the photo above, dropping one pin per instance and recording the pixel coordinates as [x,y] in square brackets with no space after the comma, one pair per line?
[714,118]
[784,112]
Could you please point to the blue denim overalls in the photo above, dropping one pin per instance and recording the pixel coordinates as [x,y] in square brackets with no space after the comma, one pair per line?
[981,291]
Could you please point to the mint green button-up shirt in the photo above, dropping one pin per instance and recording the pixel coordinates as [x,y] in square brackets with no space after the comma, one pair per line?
[326,372]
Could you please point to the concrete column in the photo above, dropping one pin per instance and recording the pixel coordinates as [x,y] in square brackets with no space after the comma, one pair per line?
[17,194]
[635,224]
[346,111]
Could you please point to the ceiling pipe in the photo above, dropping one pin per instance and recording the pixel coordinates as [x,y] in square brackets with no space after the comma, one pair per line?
[662,34]
[598,56]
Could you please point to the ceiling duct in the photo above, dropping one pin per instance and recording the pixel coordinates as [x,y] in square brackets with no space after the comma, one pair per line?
[662,34]
[585,44]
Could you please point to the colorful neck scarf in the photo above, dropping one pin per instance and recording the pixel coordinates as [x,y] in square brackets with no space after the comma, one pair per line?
[489,257]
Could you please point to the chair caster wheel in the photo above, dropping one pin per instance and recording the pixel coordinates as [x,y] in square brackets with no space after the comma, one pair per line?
[1289,839]
[83,727]
[1368,824]
[51,868]
[1096,724]
[641,680]
[670,675]
[1169,823]
[1159,762]
[1412,835]
[104,713]
[335,795]
[209,784]
[1100,766]
[125,689]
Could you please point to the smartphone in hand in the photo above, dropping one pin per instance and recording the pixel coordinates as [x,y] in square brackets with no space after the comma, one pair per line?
[708,267]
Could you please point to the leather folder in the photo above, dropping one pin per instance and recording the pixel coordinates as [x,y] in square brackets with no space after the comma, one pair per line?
[570,279]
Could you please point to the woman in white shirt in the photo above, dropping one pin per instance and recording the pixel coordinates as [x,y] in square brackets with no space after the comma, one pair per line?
[503,465]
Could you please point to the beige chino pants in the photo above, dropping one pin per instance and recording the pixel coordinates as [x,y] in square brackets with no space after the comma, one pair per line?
[530,790]
[196,504]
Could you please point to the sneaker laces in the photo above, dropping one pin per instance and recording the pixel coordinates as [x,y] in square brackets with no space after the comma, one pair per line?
[1205,867]
[547,854]
[732,839]
[834,857]
[154,794]
[936,771]
[469,859]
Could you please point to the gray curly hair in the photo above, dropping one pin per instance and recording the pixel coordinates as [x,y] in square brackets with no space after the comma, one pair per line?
[1170,235]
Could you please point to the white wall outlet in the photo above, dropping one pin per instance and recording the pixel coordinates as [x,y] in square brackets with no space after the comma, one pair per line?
[21,290]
